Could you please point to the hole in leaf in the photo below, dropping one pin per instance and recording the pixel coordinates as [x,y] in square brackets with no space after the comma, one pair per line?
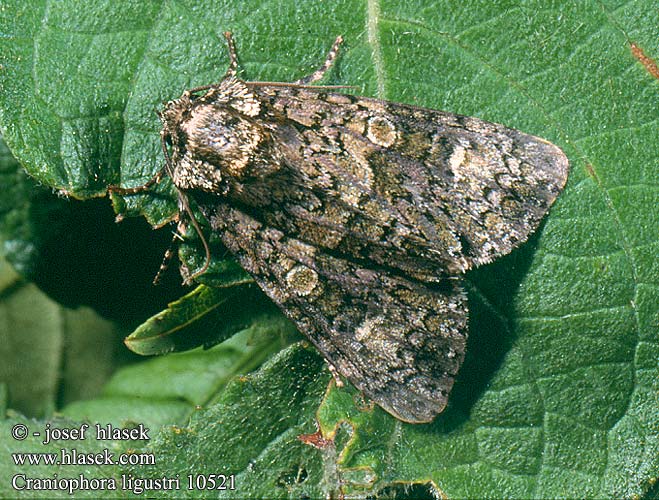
[407,491]
[291,477]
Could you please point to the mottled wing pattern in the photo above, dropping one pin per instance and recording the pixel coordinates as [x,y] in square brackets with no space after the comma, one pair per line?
[358,218]
[406,186]
[399,341]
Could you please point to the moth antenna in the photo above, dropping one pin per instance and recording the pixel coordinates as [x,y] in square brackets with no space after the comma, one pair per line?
[233,58]
[199,89]
[183,201]
[320,72]
[164,135]
[303,86]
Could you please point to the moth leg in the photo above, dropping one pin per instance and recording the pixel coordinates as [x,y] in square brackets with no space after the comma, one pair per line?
[320,72]
[233,58]
[167,258]
[139,189]
[335,375]
[177,237]
[122,191]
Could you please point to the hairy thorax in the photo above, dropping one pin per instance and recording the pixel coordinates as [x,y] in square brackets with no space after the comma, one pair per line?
[217,146]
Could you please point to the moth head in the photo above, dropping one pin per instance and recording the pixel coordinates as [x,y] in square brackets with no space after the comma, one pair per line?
[170,116]
[216,142]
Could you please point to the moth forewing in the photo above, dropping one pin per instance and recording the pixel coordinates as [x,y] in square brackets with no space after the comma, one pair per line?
[358,217]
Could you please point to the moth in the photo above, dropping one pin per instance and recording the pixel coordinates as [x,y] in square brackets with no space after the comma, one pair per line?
[358,217]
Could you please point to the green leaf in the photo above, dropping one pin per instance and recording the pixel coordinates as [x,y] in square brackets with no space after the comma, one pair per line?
[163,393]
[30,216]
[557,397]
[205,316]
[18,474]
[258,420]
[49,354]
[168,389]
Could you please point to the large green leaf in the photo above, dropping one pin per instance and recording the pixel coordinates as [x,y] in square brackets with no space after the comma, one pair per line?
[49,354]
[558,393]
[272,406]
[252,432]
